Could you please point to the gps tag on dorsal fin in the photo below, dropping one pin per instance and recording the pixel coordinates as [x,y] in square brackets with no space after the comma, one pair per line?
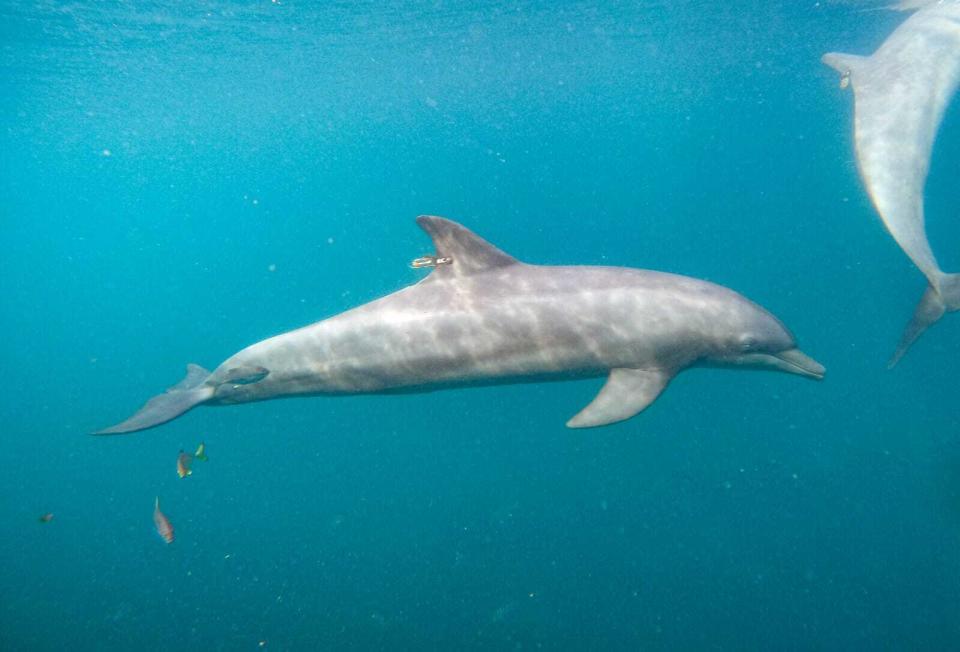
[466,252]
[430,261]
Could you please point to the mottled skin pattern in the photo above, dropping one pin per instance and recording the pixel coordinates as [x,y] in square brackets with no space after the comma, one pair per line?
[901,93]
[488,318]
[518,320]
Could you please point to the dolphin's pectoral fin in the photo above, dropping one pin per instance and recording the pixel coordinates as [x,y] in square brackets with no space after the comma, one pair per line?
[928,312]
[245,375]
[467,252]
[189,392]
[626,393]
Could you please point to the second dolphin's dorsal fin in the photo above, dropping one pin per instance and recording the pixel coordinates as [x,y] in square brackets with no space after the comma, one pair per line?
[468,253]
[850,66]
[910,5]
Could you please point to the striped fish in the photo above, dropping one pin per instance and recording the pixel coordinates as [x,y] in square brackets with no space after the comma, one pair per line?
[162,523]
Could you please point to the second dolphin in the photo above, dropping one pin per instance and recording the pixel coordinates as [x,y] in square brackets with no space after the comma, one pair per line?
[900,95]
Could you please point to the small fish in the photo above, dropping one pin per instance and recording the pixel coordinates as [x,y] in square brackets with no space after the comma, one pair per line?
[183,464]
[184,460]
[46,518]
[162,523]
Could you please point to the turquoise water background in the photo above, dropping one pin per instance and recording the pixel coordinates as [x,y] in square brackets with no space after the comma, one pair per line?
[181,180]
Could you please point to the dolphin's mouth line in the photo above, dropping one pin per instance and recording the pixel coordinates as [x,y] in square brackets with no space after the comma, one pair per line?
[801,364]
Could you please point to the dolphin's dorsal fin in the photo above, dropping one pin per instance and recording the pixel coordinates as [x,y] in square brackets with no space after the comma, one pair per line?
[626,393]
[910,5]
[469,253]
[850,66]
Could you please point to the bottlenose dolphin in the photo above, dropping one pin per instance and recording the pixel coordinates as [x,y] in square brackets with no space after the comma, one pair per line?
[481,316]
[900,95]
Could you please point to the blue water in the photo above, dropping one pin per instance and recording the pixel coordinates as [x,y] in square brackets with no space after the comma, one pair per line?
[180,180]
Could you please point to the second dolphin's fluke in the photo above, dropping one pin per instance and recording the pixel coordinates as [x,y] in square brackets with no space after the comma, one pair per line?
[900,93]
[481,316]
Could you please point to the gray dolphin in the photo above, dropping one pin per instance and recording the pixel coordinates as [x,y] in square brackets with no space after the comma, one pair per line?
[482,317]
[900,94]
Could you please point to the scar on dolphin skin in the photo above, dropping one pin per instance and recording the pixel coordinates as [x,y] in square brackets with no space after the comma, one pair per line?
[483,317]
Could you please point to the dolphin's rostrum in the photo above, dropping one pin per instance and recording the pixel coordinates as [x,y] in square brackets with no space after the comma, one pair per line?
[484,317]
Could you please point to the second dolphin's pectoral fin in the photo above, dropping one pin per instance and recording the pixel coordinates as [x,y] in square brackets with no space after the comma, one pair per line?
[245,375]
[467,252]
[626,393]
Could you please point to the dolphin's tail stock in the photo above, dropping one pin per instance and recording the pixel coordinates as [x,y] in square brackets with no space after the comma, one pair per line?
[933,304]
[188,393]
[950,289]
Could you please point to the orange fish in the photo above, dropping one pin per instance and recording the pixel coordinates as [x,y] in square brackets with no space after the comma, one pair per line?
[184,460]
[183,464]
[162,523]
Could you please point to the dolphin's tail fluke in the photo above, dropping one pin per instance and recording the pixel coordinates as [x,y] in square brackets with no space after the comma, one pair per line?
[933,304]
[188,393]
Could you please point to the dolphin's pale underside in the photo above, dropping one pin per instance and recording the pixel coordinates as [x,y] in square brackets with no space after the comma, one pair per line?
[900,95]
[481,316]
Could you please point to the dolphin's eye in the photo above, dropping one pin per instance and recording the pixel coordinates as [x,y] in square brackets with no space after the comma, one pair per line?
[748,343]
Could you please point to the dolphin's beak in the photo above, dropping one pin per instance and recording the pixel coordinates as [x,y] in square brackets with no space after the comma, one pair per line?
[795,361]
[792,361]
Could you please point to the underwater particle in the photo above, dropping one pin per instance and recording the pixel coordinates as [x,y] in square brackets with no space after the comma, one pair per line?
[107,153]
[162,523]
[262,643]
[46,518]
[272,267]
[330,241]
